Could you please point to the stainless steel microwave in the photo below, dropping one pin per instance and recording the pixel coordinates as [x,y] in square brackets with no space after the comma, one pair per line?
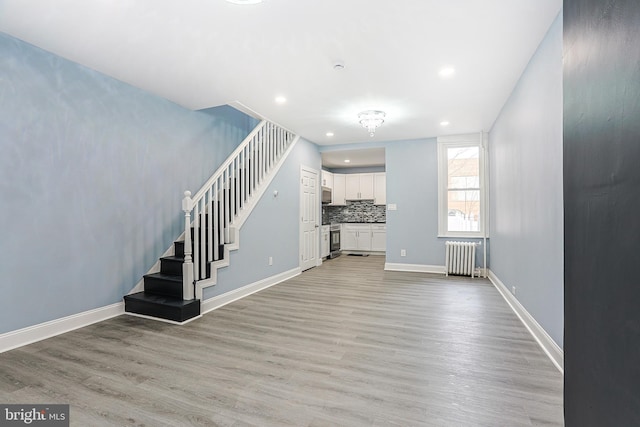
[326,195]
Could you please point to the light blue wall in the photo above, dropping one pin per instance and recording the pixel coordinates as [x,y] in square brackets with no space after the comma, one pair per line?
[92,173]
[412,184]
[526,187]
[273,227]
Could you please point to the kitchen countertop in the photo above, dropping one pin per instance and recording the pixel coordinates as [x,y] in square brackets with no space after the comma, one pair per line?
[357,222]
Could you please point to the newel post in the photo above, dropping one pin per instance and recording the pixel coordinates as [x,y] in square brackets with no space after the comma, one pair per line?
[187,267]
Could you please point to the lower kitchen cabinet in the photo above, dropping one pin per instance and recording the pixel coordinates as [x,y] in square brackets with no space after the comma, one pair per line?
[378,237]
[348,238]
[364,237]
[324,241]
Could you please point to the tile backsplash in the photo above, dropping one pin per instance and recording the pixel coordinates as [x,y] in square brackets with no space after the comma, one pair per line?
[354,211]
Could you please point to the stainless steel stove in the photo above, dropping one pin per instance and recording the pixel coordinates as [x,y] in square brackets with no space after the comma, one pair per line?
[334,240]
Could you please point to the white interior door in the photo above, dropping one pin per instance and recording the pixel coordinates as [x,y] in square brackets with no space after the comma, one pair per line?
[309,224]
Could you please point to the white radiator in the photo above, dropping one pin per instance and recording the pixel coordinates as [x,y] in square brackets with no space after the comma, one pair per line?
[460,258]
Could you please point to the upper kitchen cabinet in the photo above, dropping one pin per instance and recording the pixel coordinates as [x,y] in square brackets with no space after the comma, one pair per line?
[380,188]
[327,179]
[338,191]
[352,189]
[359,186]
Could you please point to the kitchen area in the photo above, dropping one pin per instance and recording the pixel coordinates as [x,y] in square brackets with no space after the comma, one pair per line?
[353,211]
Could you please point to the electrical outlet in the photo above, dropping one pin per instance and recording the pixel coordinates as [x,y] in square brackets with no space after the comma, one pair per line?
[403,252]
[513,290]
[270,260]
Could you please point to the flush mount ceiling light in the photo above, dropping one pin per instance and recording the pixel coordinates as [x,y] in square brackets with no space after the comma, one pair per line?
[445,123]
[329,134]
[347,161]
[280,99]
[371,120]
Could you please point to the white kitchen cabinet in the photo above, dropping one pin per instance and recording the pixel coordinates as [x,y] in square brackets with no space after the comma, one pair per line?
[380,188]
[356,237]
[352,189]
[366,186]
[359,186]
[324,241]
[348,238]
[339,189]
[364,237]
[327,179]
[378,237]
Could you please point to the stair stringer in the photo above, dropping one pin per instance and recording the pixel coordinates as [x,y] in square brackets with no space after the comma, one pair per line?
[239,220]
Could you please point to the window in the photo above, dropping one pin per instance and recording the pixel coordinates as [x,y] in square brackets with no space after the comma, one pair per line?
[461,210]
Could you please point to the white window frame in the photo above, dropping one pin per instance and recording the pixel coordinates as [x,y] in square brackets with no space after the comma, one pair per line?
[460,141]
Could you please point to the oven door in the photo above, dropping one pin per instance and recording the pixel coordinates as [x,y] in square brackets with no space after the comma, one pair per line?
[335,240]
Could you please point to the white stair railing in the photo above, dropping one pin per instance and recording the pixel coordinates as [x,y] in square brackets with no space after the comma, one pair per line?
[225,197]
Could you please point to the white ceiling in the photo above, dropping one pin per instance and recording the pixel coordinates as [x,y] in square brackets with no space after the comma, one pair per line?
[204,53]
[357,158]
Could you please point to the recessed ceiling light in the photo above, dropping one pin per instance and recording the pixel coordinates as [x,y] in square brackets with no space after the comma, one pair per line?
[281,99]
[347,161]
[445,123]
[245,1]
[447,72]
[329,133]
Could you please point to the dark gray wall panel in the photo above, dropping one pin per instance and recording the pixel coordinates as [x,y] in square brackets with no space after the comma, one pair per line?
[602,212]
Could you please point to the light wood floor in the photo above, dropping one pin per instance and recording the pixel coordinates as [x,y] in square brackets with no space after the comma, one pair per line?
[345,344]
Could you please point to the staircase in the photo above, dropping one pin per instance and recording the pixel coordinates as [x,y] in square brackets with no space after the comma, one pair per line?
[220,207]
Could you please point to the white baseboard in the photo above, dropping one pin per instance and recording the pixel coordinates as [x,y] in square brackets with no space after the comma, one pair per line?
[548,345]
[31,334]
[231,296]
[159,319]
[422,268]
[418,268]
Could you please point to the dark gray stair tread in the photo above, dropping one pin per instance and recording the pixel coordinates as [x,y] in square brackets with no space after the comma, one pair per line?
[164,276]
[180,259]
[164,284]
[173,258]
[161,306]
[160,299]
